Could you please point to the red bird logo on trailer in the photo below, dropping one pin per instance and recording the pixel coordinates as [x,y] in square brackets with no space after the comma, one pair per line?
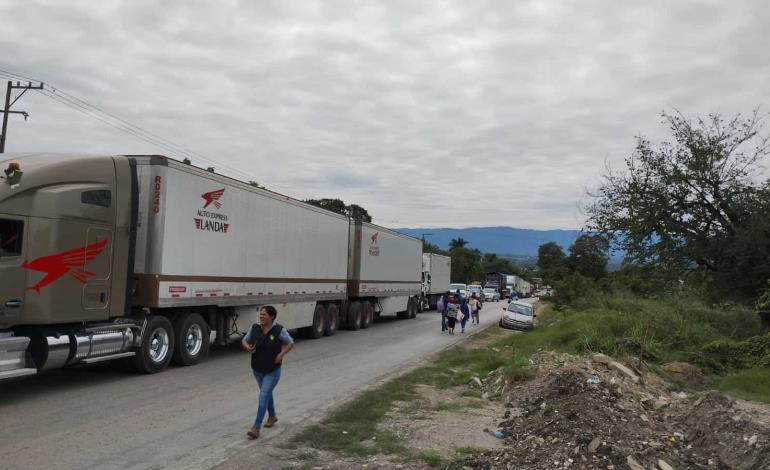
[374,237]
[71,261]
[213,197]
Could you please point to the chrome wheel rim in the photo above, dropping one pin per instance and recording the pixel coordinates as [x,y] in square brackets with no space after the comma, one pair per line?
[194,340]
[159,345]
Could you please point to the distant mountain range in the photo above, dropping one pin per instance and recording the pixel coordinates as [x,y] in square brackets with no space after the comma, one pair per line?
[500,240]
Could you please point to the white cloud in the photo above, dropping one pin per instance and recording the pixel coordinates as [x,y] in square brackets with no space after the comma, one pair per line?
[445,113]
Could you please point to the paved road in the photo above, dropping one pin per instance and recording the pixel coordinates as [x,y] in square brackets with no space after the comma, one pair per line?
[196,417]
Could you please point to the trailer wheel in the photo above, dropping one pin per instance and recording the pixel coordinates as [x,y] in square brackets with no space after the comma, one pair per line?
[332,319]
[319,323]
[354,316]
[192,339]
[157,346]
[367,314]
[412,307]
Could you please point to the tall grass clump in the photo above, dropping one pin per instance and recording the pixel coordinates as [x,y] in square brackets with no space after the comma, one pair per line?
[622,324]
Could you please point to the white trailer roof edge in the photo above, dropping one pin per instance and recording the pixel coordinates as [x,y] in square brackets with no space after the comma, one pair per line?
[391,231]
[192,169]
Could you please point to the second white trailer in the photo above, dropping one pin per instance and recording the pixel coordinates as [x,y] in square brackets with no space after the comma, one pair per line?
[436,272]
[384,273]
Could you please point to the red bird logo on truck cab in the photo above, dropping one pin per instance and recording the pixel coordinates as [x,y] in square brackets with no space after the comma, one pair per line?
[71,261]
[213,196]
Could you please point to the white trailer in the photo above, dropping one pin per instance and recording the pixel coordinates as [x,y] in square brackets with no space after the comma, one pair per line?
[436,271]
[205,240]
[384,271]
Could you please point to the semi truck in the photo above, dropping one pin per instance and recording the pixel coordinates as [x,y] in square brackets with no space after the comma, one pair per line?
[150,260]
[436,270]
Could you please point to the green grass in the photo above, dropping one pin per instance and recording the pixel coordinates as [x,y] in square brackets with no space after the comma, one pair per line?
[750,384]
[349,429]
[620,324]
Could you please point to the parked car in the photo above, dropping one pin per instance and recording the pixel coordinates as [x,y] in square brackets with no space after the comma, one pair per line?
[453,288]
[491,294]
[474,289]
[518,316]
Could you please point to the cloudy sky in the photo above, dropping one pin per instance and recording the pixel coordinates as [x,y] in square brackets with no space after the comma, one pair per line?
[432,114]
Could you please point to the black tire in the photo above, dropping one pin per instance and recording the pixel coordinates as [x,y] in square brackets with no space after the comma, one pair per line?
[422,304]
[191,336]
[354,316]
[319,323]
[332,319]
[367,314]
[157,346]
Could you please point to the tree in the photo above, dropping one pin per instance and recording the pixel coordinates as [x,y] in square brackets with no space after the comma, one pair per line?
[337,205]
[465,264]
[457,243]
[588,256]
[255,184]
[187,161]
[551,261]
[428,247]
[693,204]
[491,263]
[210,169]
[357,212]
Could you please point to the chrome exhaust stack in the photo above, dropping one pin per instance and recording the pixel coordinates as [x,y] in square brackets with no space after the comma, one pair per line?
[71,348]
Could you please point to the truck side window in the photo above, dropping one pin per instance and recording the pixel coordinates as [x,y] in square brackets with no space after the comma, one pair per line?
[11,232]
[97,197]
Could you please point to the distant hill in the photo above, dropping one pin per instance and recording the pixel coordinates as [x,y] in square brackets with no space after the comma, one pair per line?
[500,240]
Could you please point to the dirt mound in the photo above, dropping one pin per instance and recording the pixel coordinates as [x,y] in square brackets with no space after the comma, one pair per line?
[601,413]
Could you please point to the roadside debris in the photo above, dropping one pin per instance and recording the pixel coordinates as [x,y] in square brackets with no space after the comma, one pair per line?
[598,412]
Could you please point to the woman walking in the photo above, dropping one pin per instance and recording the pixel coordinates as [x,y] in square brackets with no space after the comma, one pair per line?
[465,312]
[268,343]
[452,310]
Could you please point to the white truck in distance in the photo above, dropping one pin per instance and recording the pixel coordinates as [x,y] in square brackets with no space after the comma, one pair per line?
[436,270]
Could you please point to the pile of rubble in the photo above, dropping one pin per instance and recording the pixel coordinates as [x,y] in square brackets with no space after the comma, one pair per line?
[605,413]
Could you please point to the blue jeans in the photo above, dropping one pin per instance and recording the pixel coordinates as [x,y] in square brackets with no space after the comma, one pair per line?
[267,382]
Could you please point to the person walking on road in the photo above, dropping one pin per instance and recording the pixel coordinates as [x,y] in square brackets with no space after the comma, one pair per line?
[441,306]
[475,304]
[452,310]
[268,342]
[465,313]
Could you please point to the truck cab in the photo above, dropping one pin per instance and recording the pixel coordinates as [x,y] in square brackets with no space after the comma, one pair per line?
[64,245]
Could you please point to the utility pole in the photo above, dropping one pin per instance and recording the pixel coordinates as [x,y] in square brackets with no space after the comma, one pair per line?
[9,103]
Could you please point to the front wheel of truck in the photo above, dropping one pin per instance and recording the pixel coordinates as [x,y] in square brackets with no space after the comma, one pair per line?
[157,346]
[192,339]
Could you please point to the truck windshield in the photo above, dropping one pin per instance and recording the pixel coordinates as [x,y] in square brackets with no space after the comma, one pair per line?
[11,232]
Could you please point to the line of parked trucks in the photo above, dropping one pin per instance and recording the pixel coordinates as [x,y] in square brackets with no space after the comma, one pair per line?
[149,260]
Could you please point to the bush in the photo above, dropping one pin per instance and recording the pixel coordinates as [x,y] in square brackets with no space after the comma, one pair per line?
[722,355]
[573,288]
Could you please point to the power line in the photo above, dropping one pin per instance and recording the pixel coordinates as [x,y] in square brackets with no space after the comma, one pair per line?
[123,125]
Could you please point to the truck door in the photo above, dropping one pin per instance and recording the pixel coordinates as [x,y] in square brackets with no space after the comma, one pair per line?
[13,277]
[96,291]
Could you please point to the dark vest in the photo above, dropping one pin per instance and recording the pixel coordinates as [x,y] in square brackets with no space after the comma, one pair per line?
[267,347]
